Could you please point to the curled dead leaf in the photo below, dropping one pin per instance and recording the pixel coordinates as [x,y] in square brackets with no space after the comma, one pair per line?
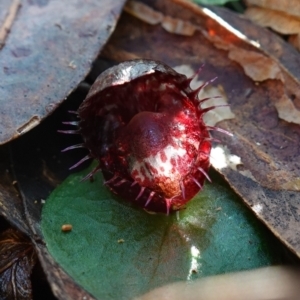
[153,17]
[260,67]
[290,7]
[280,15]
[17,260]
[277,20]
[143,12]
[256,65]
[287,110]
[178,26]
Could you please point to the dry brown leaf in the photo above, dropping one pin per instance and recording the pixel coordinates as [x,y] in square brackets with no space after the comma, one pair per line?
[178,26]
[287,110]
[291,7]
[143,12]
[256,65]
[38,71]
[278,21]
[146,14]
[260,67]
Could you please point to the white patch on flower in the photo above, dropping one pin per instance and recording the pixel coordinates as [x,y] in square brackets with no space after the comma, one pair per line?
[165,167]
[162,162]
[137,172]
[181,127]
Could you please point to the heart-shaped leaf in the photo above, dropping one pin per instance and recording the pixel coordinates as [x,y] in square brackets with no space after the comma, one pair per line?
[117,251]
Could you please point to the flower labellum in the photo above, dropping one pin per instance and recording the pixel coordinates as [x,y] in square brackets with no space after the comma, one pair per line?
[143,124]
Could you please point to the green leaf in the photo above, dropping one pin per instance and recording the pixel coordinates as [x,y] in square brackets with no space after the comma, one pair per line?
[116,251]
[214,2]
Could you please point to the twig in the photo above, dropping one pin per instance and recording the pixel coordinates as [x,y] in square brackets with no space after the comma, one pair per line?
[7,24]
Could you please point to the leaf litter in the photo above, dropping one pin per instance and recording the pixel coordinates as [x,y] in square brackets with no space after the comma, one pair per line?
[252,188]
